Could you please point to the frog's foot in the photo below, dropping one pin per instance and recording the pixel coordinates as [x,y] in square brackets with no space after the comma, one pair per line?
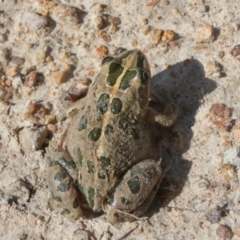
[61,175]
[162,109]
[167,118]
[135,192]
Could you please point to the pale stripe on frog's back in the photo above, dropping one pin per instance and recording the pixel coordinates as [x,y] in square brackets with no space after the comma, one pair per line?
[120,90]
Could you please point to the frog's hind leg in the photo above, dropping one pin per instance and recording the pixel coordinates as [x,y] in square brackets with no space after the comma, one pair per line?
[62,178]
[135,192]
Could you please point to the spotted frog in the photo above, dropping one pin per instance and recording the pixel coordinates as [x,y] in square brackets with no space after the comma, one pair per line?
[112,161]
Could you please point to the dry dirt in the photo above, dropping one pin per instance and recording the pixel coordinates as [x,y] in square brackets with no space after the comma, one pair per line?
[48,47]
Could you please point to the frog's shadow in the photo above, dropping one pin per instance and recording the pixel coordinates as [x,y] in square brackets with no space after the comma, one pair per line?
[187,85]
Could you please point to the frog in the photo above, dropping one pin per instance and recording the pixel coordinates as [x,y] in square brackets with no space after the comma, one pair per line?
[112,160]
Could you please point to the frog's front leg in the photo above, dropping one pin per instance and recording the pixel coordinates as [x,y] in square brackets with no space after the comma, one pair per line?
[135,192]
[62,179]
[162,109]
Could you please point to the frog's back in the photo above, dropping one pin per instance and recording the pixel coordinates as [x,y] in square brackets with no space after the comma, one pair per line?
[110,134]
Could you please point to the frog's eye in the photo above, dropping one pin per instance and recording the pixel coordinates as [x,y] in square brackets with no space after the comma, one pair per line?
[107,60]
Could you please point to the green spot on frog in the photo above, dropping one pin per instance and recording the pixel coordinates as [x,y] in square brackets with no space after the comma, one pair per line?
[126,80]
[134,184]
[104,161]
[91,196]
[125,201]
[101,175]
[109,129]
[79,157]
[130,126]
[56,198]
[102,103]
[63,187]
[150,172]
[91,168]
[136,170]
[115,70]
[60,176]
[116,106]
[95,134]
[83,123]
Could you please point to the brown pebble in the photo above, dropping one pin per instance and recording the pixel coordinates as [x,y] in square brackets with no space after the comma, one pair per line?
[31,79]
[99,22]
[168,36]
[36,112]
[105,37]
[221,116]
[102,51]
[61,76]
[116,21]
[236,52]
[155,36]
[219,110]
[224,232]
[152,3]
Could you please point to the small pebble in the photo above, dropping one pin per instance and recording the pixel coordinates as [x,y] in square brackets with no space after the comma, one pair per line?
[134,42]
[112,29]
[155,36]
[221,54]
[152,3]
[168,36]
[144,21]
[201,8]
[203,184]
[165,2]
[102,51]
[17,61]
[61,76]
[66,15]
[105,37]
[220,116]
[232,156]
[224,232]
[99,22]
[213,68]
[145,30]
[204,34]
[236,52]
[32,138]
[33,21]
[97,8]
[116,21]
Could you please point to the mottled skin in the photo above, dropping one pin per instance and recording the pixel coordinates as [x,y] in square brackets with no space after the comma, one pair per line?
[112,155]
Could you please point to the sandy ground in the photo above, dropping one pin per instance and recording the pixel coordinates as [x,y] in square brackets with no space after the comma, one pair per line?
[48,47]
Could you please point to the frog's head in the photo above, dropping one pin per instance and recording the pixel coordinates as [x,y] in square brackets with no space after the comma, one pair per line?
[128,72]
[124,66]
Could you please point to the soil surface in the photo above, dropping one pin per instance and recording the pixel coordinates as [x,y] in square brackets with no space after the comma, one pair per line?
[51,51]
